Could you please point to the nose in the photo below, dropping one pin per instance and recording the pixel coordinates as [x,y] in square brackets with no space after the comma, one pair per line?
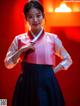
[35,19]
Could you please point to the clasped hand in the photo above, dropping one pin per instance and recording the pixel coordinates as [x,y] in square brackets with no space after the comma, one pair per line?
[29,46]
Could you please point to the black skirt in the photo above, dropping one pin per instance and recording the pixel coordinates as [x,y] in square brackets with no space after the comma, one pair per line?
[37,86]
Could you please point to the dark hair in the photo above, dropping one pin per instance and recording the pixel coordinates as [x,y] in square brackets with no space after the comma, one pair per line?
[33,4]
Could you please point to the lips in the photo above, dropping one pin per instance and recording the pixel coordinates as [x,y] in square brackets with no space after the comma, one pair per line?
[35,24]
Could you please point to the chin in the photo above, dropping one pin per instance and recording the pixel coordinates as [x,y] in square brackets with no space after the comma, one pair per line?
[36,28]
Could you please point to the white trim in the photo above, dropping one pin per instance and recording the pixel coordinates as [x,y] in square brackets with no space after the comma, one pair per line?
[36,37]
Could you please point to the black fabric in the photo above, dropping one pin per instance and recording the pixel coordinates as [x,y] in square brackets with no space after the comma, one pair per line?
[37,86]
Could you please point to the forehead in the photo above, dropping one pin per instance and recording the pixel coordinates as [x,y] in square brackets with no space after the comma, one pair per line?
[33,11]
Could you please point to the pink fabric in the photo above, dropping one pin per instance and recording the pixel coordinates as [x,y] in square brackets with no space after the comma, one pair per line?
[43,53]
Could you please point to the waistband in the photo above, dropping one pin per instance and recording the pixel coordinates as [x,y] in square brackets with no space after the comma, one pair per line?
[36,66]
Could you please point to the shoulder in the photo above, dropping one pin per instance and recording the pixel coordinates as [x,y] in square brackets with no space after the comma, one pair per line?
[22,36]
[54,37]
[51,35]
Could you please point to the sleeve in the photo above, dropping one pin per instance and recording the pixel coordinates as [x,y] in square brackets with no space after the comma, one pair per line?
[11,51]
[63,54]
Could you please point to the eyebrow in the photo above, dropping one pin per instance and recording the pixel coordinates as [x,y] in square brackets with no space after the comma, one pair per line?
[34,14]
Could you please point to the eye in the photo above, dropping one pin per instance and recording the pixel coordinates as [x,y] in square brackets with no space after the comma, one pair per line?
[30,16]
[38,15]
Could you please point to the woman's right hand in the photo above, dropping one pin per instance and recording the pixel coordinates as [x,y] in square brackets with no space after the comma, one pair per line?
[27,47]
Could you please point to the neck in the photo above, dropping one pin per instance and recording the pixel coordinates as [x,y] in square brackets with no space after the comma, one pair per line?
[36,31]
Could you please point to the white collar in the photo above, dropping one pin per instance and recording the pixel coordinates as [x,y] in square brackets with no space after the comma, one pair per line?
[36,37]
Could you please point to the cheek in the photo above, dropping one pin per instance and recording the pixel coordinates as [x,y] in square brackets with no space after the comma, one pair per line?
[42,22]
[29,21]
[41,19]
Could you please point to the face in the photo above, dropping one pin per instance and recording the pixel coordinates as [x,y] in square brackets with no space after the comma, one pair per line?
[34,19]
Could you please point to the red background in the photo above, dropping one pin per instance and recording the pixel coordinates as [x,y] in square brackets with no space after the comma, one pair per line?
[12,23]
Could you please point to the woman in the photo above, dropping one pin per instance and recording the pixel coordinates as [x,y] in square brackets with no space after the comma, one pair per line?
[37,85]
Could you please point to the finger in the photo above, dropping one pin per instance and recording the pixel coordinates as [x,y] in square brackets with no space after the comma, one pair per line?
[32,42]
